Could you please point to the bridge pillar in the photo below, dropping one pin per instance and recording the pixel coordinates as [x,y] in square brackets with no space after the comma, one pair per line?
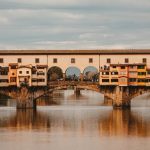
[25,99]
[121,97]
[76,91]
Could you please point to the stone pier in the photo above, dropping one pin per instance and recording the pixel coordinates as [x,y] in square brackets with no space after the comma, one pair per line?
[121,98]
[76,91]
[25,99]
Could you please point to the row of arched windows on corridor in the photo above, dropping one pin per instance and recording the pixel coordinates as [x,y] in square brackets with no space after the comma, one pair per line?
[90,73]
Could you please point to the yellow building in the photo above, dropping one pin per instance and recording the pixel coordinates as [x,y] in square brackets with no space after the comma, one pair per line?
[133,74]
[148,77]
[12,75]
[141,74]
[125,74]
[114,80]
[119,74]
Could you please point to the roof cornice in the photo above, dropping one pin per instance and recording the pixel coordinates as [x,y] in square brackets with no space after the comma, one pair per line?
[70,52]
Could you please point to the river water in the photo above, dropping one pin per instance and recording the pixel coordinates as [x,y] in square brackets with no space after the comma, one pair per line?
[69,122]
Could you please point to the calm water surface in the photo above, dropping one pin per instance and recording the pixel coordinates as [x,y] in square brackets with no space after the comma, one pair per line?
[68,122]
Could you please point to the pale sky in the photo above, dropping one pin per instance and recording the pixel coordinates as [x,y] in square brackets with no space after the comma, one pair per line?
[74,24]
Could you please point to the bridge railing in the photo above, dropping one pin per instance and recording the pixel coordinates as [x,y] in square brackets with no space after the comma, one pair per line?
[56,83]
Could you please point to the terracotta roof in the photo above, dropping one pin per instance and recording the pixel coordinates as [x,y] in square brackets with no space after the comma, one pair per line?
[135,64]
[45,66]
[27,66]
[13,64]
[68,52]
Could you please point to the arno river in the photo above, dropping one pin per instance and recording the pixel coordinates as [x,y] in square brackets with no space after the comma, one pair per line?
[69,122]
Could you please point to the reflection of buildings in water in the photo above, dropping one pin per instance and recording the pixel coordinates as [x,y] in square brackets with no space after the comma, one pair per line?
[25,120]
[125,123]
[104,122]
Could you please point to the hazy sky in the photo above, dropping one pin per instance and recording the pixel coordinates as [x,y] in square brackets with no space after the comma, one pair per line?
[74,24]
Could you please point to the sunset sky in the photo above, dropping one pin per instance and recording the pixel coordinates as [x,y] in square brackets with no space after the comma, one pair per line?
[74,24]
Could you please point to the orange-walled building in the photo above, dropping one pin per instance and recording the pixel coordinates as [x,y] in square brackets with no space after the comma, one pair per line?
[12,75]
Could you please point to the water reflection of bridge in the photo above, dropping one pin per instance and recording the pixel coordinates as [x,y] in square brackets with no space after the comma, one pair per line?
[103,122]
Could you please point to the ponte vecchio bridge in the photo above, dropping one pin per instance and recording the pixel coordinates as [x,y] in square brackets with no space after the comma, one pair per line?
[120,75]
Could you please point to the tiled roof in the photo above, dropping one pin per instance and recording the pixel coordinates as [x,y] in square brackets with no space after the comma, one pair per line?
[68,52]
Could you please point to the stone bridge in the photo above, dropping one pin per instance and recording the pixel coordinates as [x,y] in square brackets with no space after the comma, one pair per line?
[121,96]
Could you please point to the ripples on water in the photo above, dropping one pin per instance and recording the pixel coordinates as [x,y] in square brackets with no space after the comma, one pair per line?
[67,122]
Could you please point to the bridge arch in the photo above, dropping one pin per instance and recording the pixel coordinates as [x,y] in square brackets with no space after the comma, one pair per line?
[90,73]
[54,73]
[72,73]
[139,93]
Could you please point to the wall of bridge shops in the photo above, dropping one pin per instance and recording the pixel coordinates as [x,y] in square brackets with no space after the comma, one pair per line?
[81,60]
[120,59]
[63,61]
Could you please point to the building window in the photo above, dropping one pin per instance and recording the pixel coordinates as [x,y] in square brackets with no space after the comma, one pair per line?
[148,72]
[19,60]
[133,67]
[108,60]
[4,71]
[90,60]
[34,80]
[114,66]
[13,67]
[72,60]
[126,60]
[123,67]
[20,72]
[41,80]
[141,73]
[27,72]
[144,60]
[105,73]
[141,67]
[141,80]
[132,73]
[114,80]
[33,71]
[55,60]
[1,60]
[13,79]
[123,80]
[105,80]
[123,73]
[147,80]
[40,73]
[132,79]
[114,73]
[37,60]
